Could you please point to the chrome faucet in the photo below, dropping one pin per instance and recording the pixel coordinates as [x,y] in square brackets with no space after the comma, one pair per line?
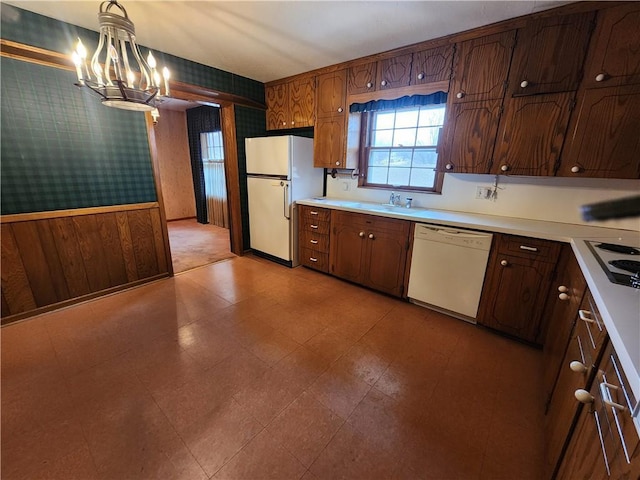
[394,199]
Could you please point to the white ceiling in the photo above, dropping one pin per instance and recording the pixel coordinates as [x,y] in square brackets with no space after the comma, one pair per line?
[268,40]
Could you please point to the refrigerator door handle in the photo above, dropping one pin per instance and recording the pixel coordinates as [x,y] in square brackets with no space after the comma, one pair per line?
[286,197]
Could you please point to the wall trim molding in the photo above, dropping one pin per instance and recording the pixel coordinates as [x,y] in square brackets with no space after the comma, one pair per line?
[27,217]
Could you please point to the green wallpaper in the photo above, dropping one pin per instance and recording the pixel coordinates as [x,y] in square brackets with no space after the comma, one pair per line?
[62,149]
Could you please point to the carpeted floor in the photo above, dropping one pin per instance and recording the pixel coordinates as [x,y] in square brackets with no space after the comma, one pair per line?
[194,244]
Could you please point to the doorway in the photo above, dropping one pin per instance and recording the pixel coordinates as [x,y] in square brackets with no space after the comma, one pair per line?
[192,244]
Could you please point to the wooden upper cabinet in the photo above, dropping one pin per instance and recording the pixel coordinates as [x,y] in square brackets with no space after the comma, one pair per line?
[433,65]
[469,136]
[531,134]
[362,78]
[331,94]
[614,57]
[481,67]
[301,102]
[290,104]
[549,54]
[604,139]
[329,142]
[394,72]
[277,97]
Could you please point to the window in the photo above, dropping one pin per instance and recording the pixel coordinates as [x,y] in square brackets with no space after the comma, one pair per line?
[400,147]
[211,145]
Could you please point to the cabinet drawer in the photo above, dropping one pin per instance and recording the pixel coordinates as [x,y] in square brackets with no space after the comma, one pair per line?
[313,225]
[314,214]
[524,247]
[314,259]
[314,241]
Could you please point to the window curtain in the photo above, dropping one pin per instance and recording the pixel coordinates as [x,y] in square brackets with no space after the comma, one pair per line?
[409,101]
[200,120]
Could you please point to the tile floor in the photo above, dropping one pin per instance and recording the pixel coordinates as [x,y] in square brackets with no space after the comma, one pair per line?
[245,369]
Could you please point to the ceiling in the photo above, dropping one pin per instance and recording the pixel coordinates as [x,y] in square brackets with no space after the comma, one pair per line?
[268,40]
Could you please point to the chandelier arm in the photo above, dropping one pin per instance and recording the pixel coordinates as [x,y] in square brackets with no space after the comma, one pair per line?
[144,67]
[95,60]
[107,62]
[125,60]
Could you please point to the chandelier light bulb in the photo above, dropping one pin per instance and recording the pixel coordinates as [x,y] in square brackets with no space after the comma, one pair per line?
[151,60]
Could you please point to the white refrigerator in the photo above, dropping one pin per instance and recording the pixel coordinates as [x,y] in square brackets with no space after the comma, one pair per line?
[279,172]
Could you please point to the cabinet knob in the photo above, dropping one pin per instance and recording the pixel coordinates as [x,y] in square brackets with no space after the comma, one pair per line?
[583,396]
[369,84]
[563,296]
[420,76]
[504,168]
[575,169]
[449,166]
[338,163]
[372,236]
[339,109]
[313,259]
[601,77]
[563,289]
[504,263]
[284,124]
[524,84]
[361,234]
[383,83]
[578,367]
[459,95]
[293,123]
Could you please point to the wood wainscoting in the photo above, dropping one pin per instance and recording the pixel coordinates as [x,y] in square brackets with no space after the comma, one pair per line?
[53,259]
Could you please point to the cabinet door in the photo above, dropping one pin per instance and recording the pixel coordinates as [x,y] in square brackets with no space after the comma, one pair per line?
[564,408]
[603,136]
[549,54]
[387,245]
[531,135]
[561,311]
[348,242]
[394,72]
[469,137]
[301,102]
[481,67]
[329,142]
[614,57]
[331,94]
[513,298]
[433,65]
[362,78]
[277,97]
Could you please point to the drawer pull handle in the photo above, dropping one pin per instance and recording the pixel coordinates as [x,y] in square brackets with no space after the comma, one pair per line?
[585,316]
[313,241]
[313,213]
[313,259]
[615,408]
[529,249]
[313,226]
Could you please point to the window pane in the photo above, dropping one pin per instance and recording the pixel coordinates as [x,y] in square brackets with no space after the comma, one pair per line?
[383,120]
[422,177]
[428,136]
[382,138]
[379,158]
[431,116]
[377,175]
[425,158]
[401,157]
[406,118]
[405,137]
[399,176]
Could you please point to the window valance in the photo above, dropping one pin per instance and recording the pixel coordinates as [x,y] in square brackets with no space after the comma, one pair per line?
[435,98]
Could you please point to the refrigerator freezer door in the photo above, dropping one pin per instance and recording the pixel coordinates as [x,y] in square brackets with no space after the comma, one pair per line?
[269,156]
[270,216]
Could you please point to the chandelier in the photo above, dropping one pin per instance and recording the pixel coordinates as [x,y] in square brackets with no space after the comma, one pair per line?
[117,72]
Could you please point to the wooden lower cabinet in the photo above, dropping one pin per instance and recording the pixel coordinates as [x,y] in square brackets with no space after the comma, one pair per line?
[313,237]
[561,312]
[605,443]
[518,279]
[369,250]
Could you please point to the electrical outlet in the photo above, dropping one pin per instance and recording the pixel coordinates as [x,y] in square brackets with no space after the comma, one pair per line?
[483,193]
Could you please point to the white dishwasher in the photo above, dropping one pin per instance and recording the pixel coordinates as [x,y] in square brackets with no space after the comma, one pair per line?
[447,269]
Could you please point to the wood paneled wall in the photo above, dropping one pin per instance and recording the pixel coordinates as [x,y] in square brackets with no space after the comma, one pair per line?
[51,259]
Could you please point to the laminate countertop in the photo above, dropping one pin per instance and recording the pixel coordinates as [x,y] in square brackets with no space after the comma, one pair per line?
[619,305]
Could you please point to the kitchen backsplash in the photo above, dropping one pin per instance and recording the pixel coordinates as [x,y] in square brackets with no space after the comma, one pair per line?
[551,199]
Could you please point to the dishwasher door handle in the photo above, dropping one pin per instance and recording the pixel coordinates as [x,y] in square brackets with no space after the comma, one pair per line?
[461,234]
